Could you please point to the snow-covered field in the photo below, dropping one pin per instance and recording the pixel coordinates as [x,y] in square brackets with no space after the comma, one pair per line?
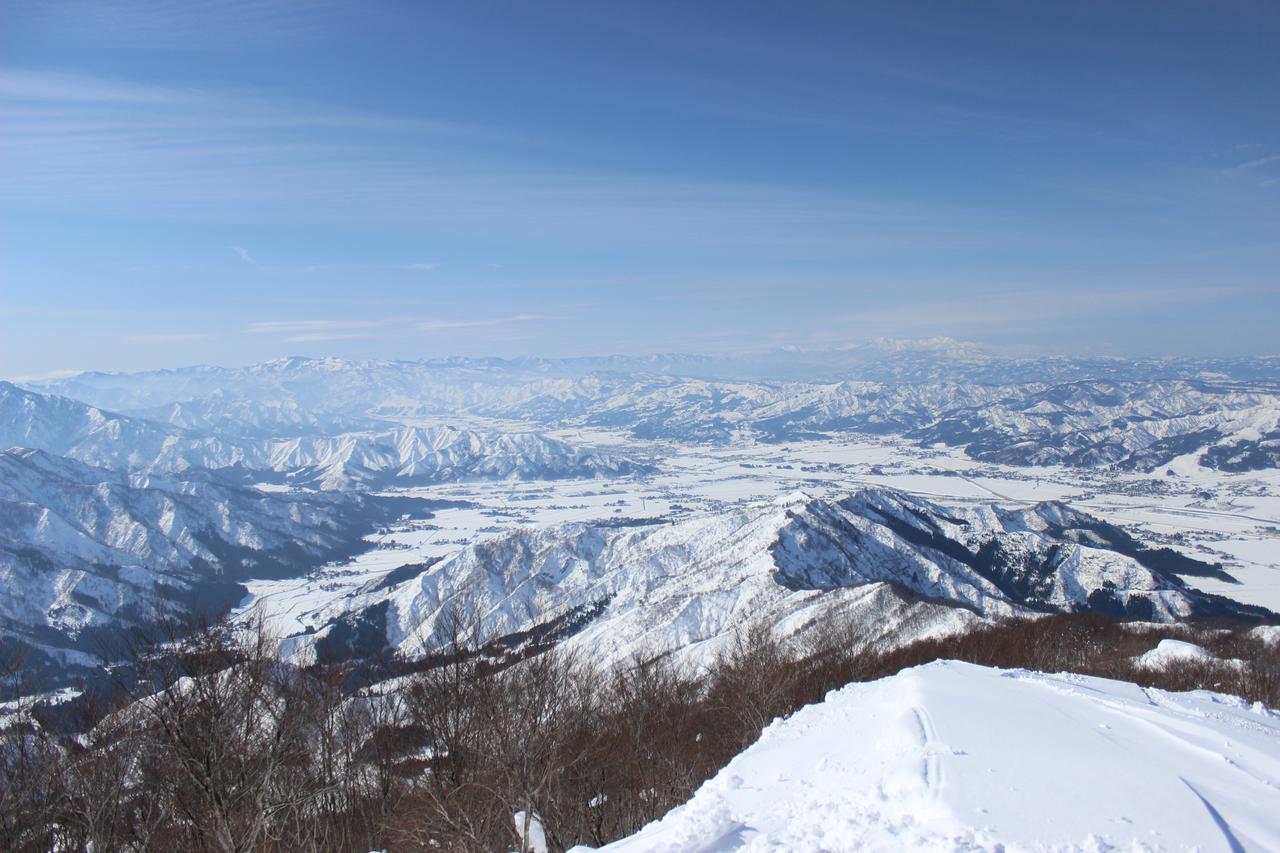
[952,756]
[1228,518]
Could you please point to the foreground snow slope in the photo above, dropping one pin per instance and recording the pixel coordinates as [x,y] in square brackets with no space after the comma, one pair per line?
[952,756]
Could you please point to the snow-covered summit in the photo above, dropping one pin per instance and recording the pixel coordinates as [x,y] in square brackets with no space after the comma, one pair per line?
[952,756]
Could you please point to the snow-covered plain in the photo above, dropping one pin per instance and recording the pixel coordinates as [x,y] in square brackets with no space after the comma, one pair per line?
[952,756]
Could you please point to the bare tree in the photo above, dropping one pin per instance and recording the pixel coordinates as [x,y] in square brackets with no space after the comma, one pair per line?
[752,681]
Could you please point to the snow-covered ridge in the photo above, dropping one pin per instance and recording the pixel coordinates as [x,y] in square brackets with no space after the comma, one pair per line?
[401,455]
[952,756]
[417,455]
[880,558]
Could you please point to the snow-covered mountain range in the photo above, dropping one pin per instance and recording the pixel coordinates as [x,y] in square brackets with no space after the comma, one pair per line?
[417,455]
[126,493]
[1100,412]
[111,520]
[400,455]
[888,563]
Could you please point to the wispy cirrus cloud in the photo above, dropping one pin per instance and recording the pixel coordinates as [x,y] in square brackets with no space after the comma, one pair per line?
[62,373]
[72,136]
[116,147]
[169,337]
[243,254]
[1262,169]
[31,86]
[312,337]
[1255,163]
[450,325]
[128,23]
[294,329]
[304,331]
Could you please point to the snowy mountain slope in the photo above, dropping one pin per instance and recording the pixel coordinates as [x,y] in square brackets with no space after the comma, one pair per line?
[84,549]
[1137,425]
[403,455]
[233,416]
[952,756]
[416,455]
[616,589]
[98,437]
[1250,449]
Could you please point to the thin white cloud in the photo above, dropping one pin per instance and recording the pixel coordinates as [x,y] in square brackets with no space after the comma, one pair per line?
[120,105]
[175,23]
[169,337]
[322,336]
[451,325]
[243,254]
[312,327]
[424,266]
[310,331]
[1255,164]
[42,377]
[107,145]
[23,85]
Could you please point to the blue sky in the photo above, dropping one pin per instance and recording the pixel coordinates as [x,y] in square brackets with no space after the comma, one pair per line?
[226,182]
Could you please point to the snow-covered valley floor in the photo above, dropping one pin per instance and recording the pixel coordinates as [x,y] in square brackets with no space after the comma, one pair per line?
[952,756]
